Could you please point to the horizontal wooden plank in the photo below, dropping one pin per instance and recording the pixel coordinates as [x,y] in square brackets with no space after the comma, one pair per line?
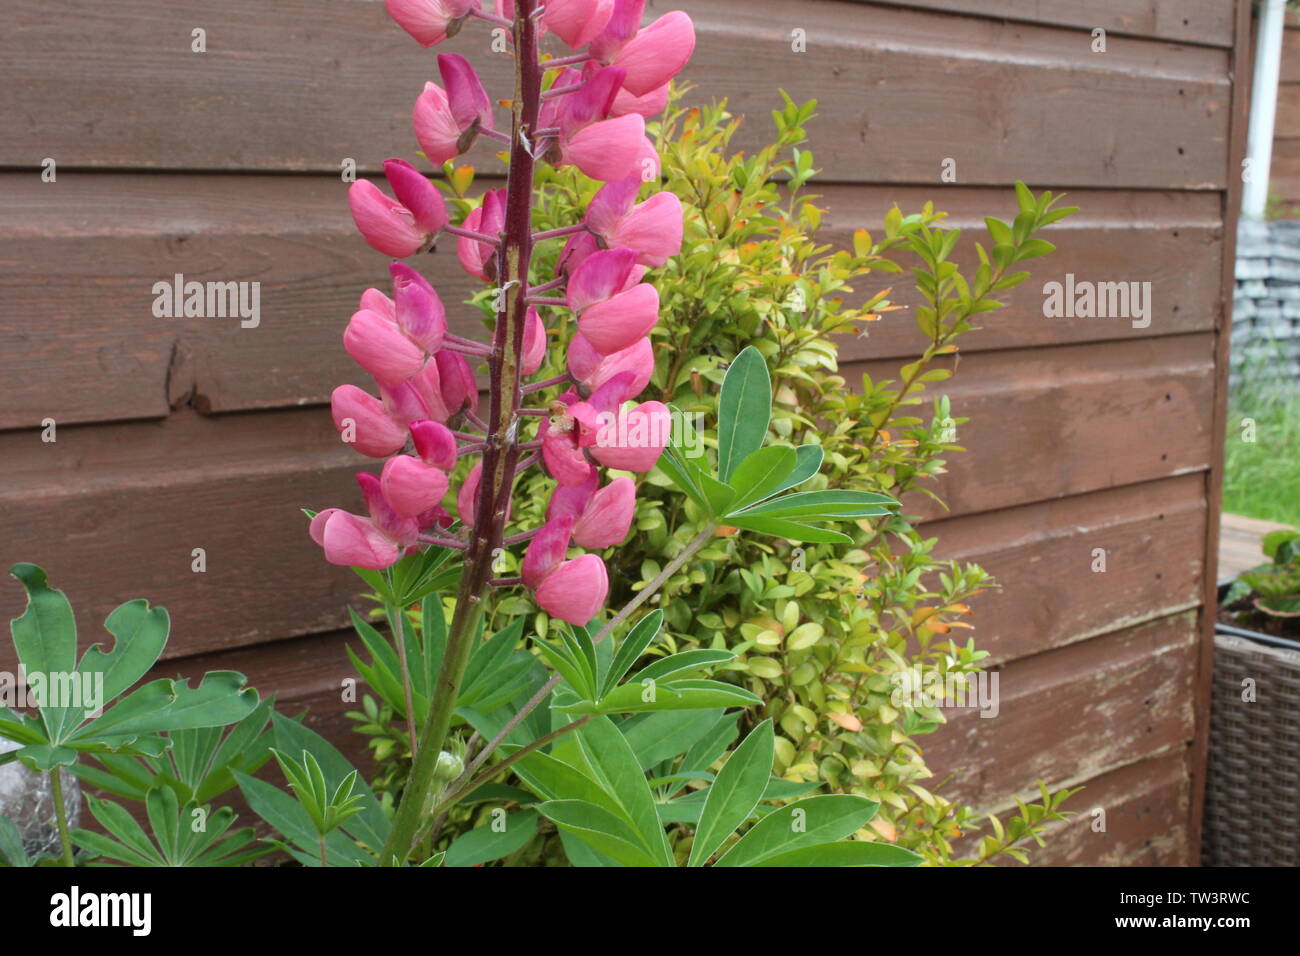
[1189,21]
[1071,569]
[1076,713]
[1291,51]
[1117,236]
[1046,423]
[1284,173]
[79,259]
[293,86]
[1134,816]
[1288,109]
[115,513]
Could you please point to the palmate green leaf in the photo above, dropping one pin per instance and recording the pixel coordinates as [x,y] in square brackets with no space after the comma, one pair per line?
[45,637]
[744,409]
[290,820]
[789,530]
[598,828]
[631,648]
[762,474]
[662,735]
[735,792]
[371,826]
[818,505]
[682,663]
[139,636]
[697,694]
[167,705]
[845,853]
[492,842]
[614,767]
[821,819]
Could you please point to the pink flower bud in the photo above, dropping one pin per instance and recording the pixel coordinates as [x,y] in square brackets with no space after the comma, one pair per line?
[379,347]
[657,54]
[653,229]
[592,370]
[635,438]
[436,129]
[606,519]
[547,550]
[575,591]
[411,486]
[386,224]
[618,322]
[365,423]
[478,258]
[468,101]
[457,386]
[534,342]
[577,22]
[414,191]
[430,21]
[611,149]
[434,443]
[352,541]
[417,309]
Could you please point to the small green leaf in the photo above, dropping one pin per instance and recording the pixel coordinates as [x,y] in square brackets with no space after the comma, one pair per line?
[763,473]
[503,834]
[744,409]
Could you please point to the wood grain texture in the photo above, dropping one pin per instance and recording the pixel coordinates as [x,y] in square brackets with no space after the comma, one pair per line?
[114,513]
[1055,588]
[1055,422]
[1145,821]
[1191,21]
[79,258]
[91,87]
[1073,714]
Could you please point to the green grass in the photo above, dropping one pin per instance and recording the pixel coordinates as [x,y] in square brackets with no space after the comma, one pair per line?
[1262,478]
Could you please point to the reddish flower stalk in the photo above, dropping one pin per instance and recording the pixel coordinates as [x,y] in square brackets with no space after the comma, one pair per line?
[593,118]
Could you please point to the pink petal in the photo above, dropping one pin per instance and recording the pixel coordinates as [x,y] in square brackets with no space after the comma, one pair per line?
[379,347]
[547,550]
[575,591]
[429,21]
[414,191]
[386,224]
[353,541]
[606,520]
[617,323]
[601,275]
[435,443]
[610,149]
[572,500]
[435,128]
[652,228]
[577,22]
[411,486]
[362,416]
[636,439]
[657,53]
[534,342]
[417,309]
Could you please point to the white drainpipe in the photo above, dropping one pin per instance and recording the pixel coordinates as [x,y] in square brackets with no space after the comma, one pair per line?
[1263,105]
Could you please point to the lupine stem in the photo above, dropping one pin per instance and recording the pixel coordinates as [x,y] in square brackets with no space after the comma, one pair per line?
[61,815]
[471,234]
[547,383]
[500,457]
[557,233]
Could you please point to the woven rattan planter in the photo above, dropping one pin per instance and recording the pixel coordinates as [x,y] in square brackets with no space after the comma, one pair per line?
[1252,812]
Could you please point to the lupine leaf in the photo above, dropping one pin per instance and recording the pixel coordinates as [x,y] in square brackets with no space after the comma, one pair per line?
[744,409]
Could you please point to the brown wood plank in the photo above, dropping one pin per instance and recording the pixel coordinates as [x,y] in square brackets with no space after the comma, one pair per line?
[1052,589]
[1288,107]
[1117,236]
[114,513]
[1052,422]
[293,86]
[1284,171]
[1189,21]
[79,258]
[1073,714]
[1146,807]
